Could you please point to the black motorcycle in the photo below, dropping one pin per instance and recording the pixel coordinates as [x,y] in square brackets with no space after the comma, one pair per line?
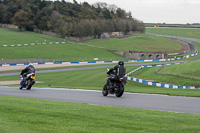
[114,85]
[28,81]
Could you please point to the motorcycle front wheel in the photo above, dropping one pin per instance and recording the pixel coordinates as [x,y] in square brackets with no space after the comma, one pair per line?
[105,90]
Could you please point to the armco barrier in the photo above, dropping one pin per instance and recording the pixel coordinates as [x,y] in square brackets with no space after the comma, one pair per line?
[155,83]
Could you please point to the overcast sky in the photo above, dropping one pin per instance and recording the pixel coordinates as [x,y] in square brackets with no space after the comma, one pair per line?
[158,11]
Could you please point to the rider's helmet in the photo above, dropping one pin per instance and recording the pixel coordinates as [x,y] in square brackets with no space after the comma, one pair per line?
[120,63]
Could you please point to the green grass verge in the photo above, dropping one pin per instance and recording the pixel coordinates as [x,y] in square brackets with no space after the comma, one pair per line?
[190,69]
[150,74]
[95,79]
[191,33]
[22,115]
[141,42]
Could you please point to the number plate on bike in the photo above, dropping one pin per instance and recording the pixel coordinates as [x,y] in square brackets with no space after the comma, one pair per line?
[32,77]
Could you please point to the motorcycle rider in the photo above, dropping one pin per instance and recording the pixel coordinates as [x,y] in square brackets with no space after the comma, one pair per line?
[118,71]
[29,69]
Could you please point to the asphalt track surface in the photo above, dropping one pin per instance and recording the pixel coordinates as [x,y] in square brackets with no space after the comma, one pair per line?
[130,100]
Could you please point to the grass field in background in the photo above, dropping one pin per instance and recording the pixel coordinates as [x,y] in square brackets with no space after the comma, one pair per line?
[95,79]
[71,51]
[58,52]
[191,33]
[10,37]
[172,25]
[22,115]
[140,42]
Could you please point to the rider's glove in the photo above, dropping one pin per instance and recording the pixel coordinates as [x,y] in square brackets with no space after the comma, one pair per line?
[21,77]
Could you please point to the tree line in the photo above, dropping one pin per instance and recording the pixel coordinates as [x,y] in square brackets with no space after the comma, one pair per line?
[68,19]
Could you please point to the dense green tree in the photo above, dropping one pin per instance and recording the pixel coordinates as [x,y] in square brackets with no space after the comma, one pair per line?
[3,14]
[106,13]
[21,19]
[121,13]
[42,19]
[68,19]
[84,28]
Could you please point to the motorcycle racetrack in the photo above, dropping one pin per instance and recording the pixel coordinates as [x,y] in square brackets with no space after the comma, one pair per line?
[131,100]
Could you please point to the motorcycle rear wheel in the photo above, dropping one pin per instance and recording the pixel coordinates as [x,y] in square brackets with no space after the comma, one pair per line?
[105,90]
[29,85]
[120,92]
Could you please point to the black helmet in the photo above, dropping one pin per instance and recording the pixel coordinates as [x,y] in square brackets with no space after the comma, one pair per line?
[120,63]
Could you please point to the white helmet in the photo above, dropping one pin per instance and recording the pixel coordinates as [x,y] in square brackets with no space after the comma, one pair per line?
[30,64]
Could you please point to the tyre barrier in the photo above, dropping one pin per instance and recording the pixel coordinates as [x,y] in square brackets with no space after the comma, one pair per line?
[155,83]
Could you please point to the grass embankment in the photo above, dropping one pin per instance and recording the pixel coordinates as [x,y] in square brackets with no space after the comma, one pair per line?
[58,52]
[191,33]
[95,79]
[22,115]
[10,37]
[78,52]
[191,69]
[139,42]
[187,74]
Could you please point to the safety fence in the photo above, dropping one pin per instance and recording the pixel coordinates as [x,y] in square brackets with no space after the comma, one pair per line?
[155,83]
[18,45]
